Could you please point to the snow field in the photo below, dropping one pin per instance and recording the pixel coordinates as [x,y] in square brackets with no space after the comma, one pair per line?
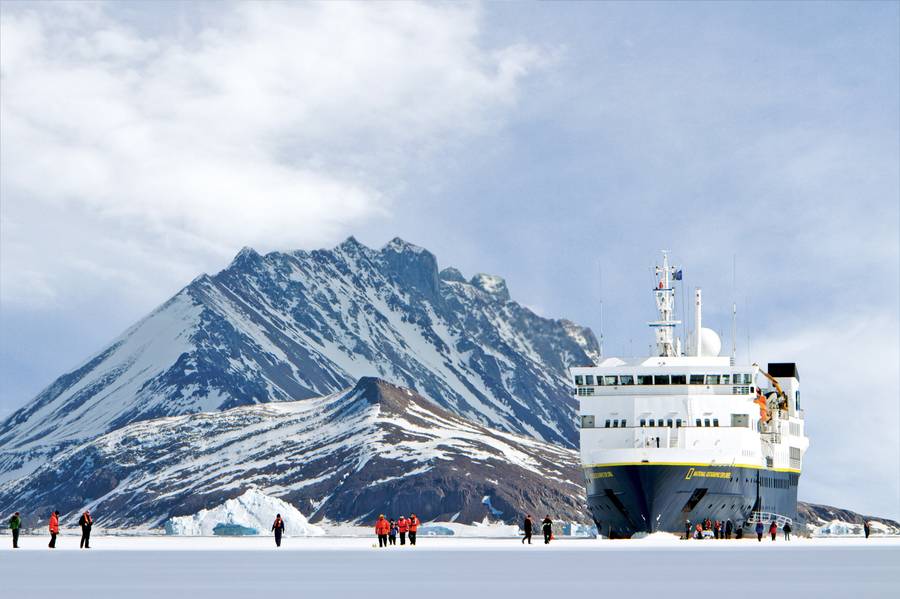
[223,568]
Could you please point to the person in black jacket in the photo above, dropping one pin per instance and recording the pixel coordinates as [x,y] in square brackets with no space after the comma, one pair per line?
[729,527]
[278,527]
[527,526]
[85,522]
[687,530]
[547,529]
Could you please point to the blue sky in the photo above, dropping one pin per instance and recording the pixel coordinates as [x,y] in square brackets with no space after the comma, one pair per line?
[143,144]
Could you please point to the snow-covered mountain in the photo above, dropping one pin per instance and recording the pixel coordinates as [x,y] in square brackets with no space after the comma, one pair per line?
[828,521]
[289,326]
[347,457]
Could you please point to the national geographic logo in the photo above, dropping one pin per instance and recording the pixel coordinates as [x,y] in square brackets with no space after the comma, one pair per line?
[691,473]
[604,474]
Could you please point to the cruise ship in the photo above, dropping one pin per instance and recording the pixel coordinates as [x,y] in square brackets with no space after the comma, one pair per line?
[687,435]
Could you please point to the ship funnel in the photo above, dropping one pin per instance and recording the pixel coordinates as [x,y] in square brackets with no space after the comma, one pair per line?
[698,336]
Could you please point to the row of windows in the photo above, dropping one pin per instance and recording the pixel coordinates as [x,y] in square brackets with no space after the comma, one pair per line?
[616,423]
[589,380]
[773,483]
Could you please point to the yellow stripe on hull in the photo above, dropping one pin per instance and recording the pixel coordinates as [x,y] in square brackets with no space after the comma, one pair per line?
[691,464]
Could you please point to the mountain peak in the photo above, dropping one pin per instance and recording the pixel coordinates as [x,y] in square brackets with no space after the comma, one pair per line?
[246,257]
[376,391]
[412,266]
[492,285]
[399,245]
[452,274]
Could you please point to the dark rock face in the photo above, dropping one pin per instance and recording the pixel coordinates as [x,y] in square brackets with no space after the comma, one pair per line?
[288,326]
[347,457]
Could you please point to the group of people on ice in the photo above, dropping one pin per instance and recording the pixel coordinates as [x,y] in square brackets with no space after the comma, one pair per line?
[85,522]
[715,529]
[722,530]
[388,530]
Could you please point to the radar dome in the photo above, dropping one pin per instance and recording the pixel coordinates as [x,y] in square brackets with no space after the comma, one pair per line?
[710,344]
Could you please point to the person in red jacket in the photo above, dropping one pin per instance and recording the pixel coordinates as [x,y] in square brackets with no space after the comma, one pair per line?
[413,527]
[403,527]
[382,528]
[54,529]
[773,530]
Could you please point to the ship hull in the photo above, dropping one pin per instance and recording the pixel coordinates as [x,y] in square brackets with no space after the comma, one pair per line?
[628,499]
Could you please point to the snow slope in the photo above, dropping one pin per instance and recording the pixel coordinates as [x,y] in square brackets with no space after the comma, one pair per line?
[289,326]
[347,457]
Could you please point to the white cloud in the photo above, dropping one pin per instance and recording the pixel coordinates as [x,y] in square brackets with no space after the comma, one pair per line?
[272,125]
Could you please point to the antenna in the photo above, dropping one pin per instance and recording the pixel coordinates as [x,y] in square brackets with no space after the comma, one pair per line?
[733,308]
[601,310]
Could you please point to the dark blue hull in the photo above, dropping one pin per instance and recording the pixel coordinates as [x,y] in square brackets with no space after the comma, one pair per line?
[627,499]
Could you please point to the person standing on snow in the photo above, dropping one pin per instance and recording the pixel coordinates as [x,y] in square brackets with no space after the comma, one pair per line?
[413,527]
[54,529]
[760,529]
[773,530]
[14,524]
[687,530]
[382,528]
[866,528]
[787,531]
[85,522]
[392,533]
[278,527]
[729,527]
[547,529]
[403,527]
[527,526]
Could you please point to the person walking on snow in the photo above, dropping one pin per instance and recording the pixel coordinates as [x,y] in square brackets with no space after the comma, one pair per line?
[392,534]
[85,522]
[547,529]
[54,529]
[760,529]
[382,528]
[773,530]
[14,524]
[867,528]
[278,528]
[403,527]
[413,527]
[729,527]
[787,531]
[527,526]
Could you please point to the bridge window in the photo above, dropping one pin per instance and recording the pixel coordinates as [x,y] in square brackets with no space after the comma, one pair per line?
[587,422]
[698,422]
[615,423]
[645,379]
[610,380]
[715,422]
[706,422]
[585,391]
[725,379]
[643,422]
[679,379]
[589,379]
[624,423]
[678,423]
[696,379]
[712,379]
[626,379]
[669,423]
[607,424]
[579,380]
[661,379]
